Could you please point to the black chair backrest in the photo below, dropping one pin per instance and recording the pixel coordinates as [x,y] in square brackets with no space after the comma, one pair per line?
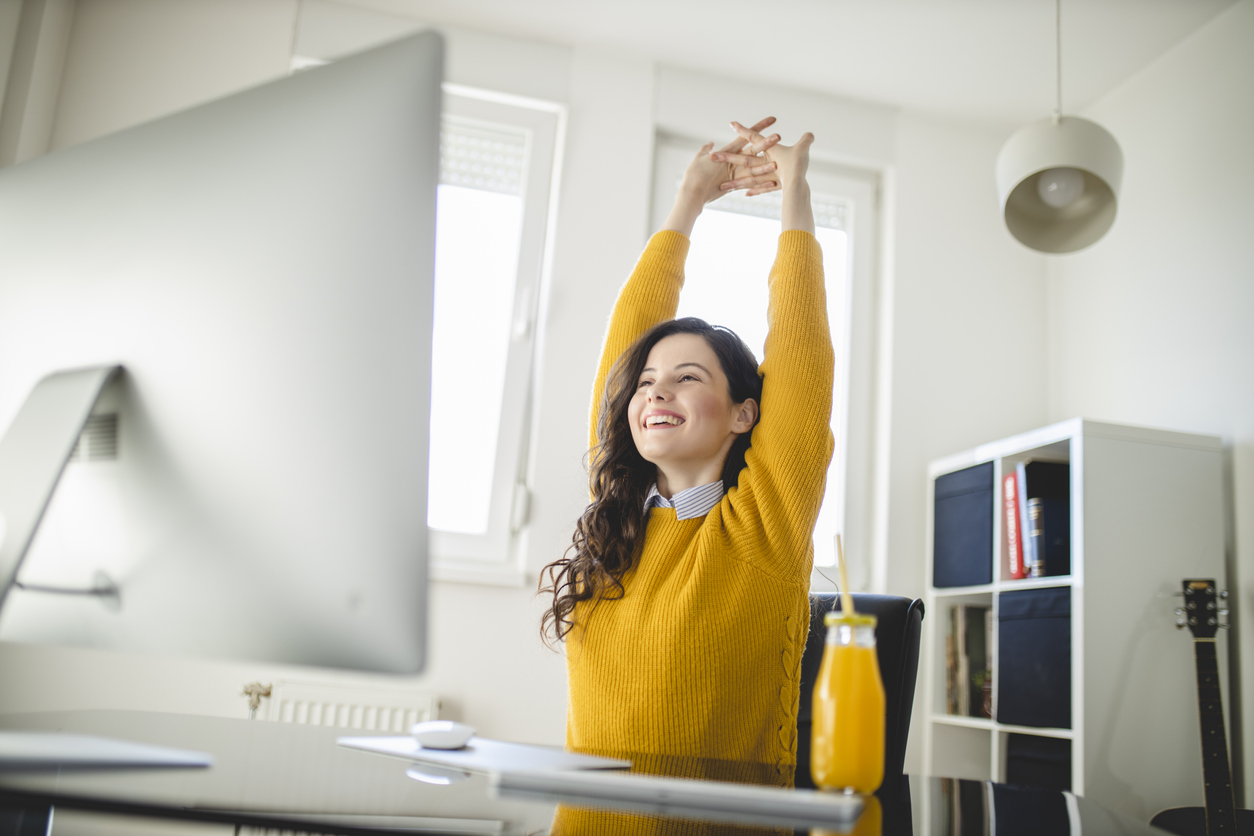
[898,622]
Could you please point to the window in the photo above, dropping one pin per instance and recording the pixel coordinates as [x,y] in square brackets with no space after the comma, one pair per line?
[496,167]
[733,248]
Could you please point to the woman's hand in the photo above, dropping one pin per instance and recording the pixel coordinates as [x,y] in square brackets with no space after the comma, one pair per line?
[790,161]
[705,176]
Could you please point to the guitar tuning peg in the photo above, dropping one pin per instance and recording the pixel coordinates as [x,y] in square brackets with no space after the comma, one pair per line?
[1180,623]
[1224,611]
[1179,612]
[1223,595]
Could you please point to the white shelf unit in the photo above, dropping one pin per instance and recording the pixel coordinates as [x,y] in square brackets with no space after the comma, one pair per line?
[1146,512]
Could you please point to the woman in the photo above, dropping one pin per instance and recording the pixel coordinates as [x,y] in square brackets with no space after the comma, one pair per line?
[683,600]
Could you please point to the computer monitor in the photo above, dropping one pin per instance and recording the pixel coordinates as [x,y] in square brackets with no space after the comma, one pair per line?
[261,269]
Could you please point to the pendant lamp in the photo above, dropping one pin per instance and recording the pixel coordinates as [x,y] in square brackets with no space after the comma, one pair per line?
[1058,179]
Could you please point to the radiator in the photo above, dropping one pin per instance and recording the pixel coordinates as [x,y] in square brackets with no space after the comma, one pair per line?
[380,709]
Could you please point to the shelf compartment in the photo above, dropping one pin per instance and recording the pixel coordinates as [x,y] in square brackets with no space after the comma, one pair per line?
[938,606]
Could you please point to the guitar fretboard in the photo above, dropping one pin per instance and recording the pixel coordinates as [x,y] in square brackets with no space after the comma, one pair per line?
[1220,805]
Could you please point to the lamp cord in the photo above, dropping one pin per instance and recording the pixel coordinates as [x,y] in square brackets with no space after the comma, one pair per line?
[1058,58]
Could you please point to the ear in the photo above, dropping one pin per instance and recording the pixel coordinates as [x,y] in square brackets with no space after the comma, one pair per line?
[746,415]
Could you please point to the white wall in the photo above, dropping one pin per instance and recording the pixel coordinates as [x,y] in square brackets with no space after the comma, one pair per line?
[131,60]
[968,359]
[1154,325]
[964,306]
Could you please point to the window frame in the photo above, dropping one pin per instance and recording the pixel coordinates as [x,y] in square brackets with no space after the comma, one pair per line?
[853,402]
[495,556]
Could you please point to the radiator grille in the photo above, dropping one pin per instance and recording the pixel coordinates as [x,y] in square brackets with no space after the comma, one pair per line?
[368,709]
[389,718]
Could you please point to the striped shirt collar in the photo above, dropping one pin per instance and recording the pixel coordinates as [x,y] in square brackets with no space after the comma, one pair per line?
[688,504]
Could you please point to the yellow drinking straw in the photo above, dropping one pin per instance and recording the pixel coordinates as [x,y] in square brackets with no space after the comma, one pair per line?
[846,598]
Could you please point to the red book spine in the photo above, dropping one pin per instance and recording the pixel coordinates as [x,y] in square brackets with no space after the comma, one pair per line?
[1014,537]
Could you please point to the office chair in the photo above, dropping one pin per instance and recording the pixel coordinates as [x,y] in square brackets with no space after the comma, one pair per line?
[898,621]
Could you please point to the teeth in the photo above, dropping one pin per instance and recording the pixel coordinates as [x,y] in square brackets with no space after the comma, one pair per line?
[663,419]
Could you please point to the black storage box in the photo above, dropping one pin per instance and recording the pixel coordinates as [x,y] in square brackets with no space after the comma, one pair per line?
[962,541]
[1030,812]
[1034,658]
[1033,761]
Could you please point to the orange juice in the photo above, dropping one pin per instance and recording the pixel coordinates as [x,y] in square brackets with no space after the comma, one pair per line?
[847,749]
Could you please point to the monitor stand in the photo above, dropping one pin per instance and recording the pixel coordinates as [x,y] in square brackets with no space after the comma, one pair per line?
[39,751]
[33,454]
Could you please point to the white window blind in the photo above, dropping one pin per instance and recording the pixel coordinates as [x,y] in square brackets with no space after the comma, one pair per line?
[477,156]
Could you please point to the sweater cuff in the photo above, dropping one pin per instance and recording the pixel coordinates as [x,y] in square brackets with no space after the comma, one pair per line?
[668,244]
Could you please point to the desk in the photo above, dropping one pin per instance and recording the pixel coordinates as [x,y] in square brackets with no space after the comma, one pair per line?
[296,777]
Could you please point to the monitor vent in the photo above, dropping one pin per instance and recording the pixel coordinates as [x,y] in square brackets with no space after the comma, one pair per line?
[99,440]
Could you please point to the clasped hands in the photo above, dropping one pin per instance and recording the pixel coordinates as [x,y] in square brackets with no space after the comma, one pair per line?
[751,161]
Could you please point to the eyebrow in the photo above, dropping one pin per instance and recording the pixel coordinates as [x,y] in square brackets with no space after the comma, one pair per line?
[680,366]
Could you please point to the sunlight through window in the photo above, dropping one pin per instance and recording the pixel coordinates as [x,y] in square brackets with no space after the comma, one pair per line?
[478,225]
[728,264]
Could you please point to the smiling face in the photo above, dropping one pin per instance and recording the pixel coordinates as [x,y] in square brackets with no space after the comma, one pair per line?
[682,416]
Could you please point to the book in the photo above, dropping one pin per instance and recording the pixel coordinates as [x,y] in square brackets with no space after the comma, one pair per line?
[968,648]
[1043,497]
[1014,534]
[1051,535]
[1048,536]
[976,659]
[951,662]
[1021,502]
[986,685]
[1035,535]
[961,690]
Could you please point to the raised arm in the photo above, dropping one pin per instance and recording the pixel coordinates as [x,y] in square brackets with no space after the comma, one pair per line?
[651,294]
[780,492]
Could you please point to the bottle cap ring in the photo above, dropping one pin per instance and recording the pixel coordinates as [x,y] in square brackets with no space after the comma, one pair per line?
[856,620]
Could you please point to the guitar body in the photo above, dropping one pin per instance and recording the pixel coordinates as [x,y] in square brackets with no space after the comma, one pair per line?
[1191,821]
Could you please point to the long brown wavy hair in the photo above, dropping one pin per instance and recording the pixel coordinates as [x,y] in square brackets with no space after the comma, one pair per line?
[610,532]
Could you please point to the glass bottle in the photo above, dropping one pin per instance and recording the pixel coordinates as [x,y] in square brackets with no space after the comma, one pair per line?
[847,748]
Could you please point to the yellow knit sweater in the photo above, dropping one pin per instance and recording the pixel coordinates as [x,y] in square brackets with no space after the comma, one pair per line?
[701,657]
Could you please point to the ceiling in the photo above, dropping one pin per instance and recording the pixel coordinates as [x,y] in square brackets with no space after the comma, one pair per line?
[989,61]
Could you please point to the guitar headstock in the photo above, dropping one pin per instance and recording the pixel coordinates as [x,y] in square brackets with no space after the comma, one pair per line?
[1201,609]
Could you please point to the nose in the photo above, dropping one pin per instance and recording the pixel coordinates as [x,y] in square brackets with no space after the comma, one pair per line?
[658,392]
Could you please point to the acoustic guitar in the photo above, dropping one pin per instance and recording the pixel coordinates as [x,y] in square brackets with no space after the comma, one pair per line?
[1220,816]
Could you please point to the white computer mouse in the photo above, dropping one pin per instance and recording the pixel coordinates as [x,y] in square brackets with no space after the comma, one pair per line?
[442,734]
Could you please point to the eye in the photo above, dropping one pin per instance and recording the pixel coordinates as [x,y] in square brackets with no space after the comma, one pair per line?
[643,384]
[690,377]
